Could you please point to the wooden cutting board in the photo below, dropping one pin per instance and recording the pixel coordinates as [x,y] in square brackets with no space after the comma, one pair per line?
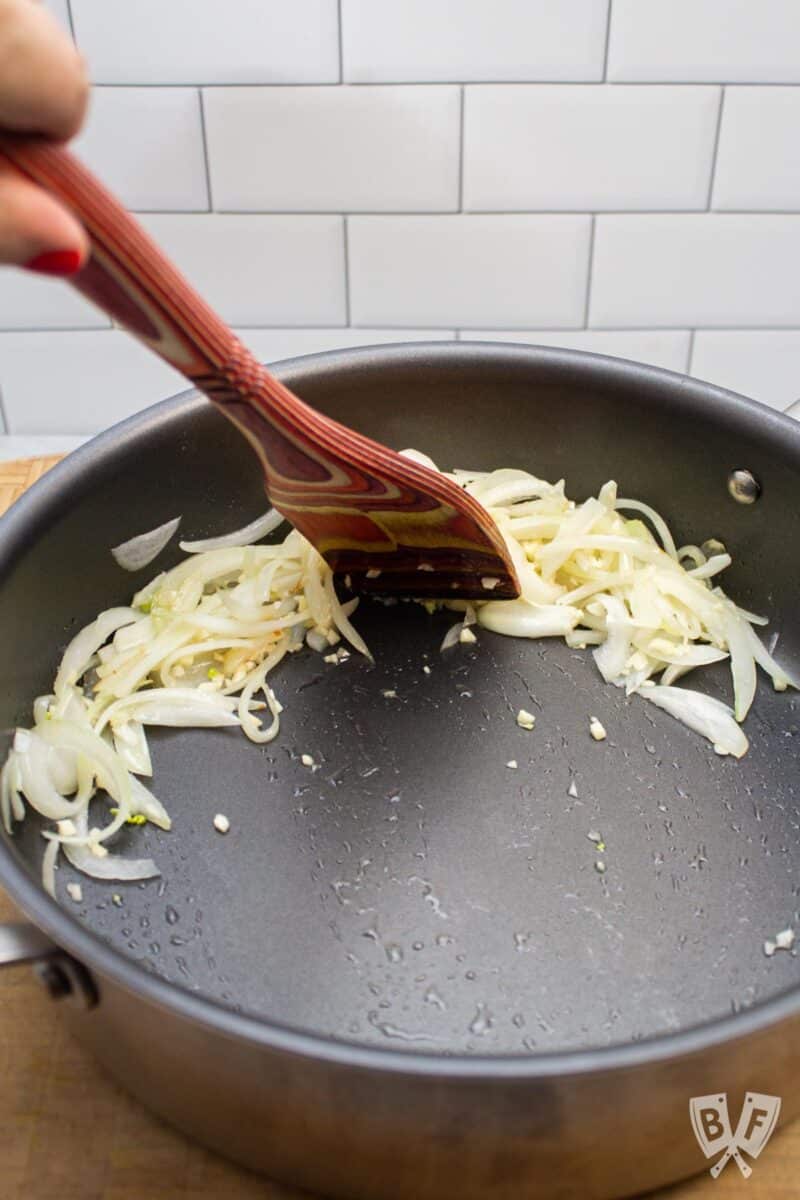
[68,1132]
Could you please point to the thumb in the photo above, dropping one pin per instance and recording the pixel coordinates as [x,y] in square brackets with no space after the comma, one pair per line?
[35,230]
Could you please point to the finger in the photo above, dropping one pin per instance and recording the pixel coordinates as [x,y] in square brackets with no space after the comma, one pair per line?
[34,226]
[43,85]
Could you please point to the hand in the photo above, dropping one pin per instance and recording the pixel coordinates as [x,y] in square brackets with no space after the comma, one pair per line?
[43,90]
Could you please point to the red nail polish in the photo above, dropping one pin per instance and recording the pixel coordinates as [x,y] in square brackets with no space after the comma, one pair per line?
[55,262]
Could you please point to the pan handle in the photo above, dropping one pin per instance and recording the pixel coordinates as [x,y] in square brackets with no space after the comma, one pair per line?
[62,976]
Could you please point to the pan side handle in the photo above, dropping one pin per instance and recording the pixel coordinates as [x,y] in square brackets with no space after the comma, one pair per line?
[64,978]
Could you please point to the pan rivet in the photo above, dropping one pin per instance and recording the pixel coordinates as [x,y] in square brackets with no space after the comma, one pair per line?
[743,486]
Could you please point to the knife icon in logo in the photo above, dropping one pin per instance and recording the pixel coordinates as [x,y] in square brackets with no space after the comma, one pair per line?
[712,1127]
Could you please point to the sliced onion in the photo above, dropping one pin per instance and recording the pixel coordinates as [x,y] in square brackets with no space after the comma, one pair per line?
[342,621]
[705,715]
[177,707]
[49,868]
[246,536]
[743,663]
[781,679]
[11,807]
[36,784]
[712,566]
[138,551]
[451,637]
[109,771]
[85,645]
[420,459]
[130,743]
[145,804]
[695,656]
[611,657]
[520,618]
[657,521]
[110,866]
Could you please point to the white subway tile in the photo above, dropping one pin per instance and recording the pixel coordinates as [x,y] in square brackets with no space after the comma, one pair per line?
[659,347]
[322,149]
[758,165]
[386,41]
[60,10]
[30,301]
[209,41]
[78,382]
[271,345]
[706,269]
[146,144]
[583,147]
[260,270]
[468,270]
[747,41]
[763,364]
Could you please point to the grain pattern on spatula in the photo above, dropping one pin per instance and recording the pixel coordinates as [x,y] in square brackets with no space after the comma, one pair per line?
[364,507]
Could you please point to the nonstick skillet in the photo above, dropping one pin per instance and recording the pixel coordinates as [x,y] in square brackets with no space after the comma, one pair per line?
[402,976]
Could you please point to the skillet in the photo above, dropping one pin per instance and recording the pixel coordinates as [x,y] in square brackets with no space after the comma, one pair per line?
[402,975]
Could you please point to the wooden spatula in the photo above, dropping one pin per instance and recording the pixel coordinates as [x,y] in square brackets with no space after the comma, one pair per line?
[390,524]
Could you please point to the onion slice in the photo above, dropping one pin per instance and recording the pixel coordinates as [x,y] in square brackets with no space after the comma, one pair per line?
[138,551]
[705,715]
[110,866]
[248,535]
[520,618]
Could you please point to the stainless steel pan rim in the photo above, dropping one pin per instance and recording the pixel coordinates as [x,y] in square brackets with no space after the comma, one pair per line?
[49,916]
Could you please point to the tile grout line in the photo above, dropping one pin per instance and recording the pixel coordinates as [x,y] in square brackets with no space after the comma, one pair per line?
[71,20]
[608,41]
[589,272]
[204,138]
[410,83]
[461,152]
[3,413]
[340,35]
[715,149]
[346,241]
[690,355]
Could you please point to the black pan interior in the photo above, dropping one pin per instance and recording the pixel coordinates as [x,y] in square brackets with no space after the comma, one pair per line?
[414,891]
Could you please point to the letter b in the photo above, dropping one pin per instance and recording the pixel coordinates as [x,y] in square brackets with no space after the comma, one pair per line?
[712,1126]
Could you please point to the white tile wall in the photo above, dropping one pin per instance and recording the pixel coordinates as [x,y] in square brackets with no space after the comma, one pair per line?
[468,270]
[33,302]
[321,149]
[435,40]
[734,41]
[701,269]
[764,364]
[208,41]
[528,147]
[621,177]
[667,348]
[105,376]
[260,270]
[146,144]
[758,162]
